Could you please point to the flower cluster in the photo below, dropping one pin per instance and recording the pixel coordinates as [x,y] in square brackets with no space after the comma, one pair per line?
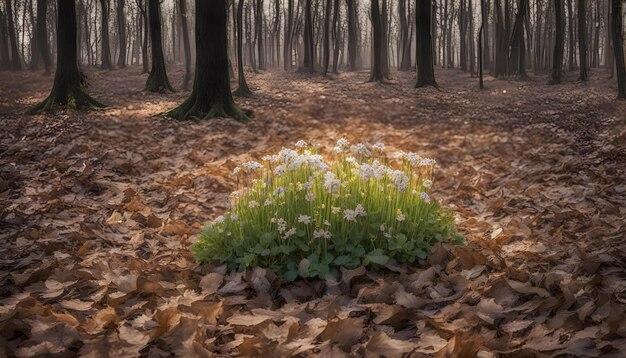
[359,208]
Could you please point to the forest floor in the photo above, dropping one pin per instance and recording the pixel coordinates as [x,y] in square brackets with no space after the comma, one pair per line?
[97,210]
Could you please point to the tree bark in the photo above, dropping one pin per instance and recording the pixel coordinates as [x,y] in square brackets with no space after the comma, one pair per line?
[259,34]
[66,90]
[157,80]
[352,35]
[582,40]
[309,46]
[424,56]
[42,34]
[481,41]
[182,9]
[105,52]
[377,72]
[243,90]
[559,43]
[121,33]
[326,44]
[618,47]
[211,96]
[518,49]
[4,41]
[16,63]
[571,43]
[336,39]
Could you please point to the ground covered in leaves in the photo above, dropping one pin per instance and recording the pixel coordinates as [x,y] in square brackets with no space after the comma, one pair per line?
[97,211]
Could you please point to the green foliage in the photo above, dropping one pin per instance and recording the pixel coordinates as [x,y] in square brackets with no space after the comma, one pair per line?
[300,216]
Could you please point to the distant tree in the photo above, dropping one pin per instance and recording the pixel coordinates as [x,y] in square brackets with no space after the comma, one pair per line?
[157,80]
[4,41]
[559,43]
[211,96]
[570,35]
[517,60]
[405,39]
[16,63]
[243,90]
[182,9]
[42,34]
[481,42]
[336,36]
[141,4]
[377,70]
[618,47]
[106,49]
[121,33]
[425,68]
[582,40]
[353,35]
[66,90]
[258,21]
[309,44]
[328,9]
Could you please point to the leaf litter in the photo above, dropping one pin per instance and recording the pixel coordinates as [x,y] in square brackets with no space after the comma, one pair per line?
[98,209]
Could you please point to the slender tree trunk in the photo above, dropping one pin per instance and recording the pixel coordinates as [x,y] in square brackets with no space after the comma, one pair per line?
[481,41]
[501,41]
[336,39]
[211,96]
[4,41]
[121,33]
[277,31]
[425,68]
[376,74]
[618,47]
[559,43]
[182,9]
[34,43]
[352,35]
[16,63]
[42,34]
[259,34]
[326,45]
[518,48]
[309,46]
[243,90]
[106,50]
[66,90]
[571,42]
[582,40]
[157,80]
[287,46]
[144,43]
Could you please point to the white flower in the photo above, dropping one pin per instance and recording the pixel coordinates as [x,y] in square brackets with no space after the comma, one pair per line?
[331,183]
[360,149]
[360,210]
[309,196]
[382,227]
[326,222]
[349,215]
[427,162]
[379,146]
[290,233]
[281,223]
[335,210]
[316,161]
[253,204]
[234,217]
[366,171]
[400,180]
[427,183]
[399,154]
[305,219]
[280,170]
[319,233]
[252,166]
[350,160]
[219,220]
[268,202]
[236,171]
[413,159]
[279,190]
[301,144]
[425,197]
[342,143]
[399,215]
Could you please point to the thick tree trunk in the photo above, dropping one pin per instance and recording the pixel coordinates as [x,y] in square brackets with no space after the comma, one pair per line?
[42,34]
[121,33]
[425,68]
[16,63]
[582,40]
[618,47]
[66,90]
[157,80]
[182,9]
[243,90]
[211,96]
[104,26]
[559,43]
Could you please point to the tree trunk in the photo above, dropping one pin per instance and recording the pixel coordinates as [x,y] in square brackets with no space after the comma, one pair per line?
[42,34]
[121,33]
[287,45]
[106,50]
[481,41]
[258,21]
[16,63]
[571,43]
[4,41]
[211,96]
[618,47]
[144,43]
[518,48]
[377,74]
[425,68]
[34,43]
[66,90]
[309,46]
[582,40]
[182,9]
[352,35]
[157,80]
[559,43]
[501,41]
[326,45]
[243,90]
[336,40]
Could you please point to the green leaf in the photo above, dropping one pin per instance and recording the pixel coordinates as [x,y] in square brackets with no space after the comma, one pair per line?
[377,257]
[303,268]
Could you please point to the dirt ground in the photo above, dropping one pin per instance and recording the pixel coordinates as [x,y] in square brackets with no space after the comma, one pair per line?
[97,210]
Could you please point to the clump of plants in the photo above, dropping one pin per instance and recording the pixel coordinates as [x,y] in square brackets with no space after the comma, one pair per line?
[299,214]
